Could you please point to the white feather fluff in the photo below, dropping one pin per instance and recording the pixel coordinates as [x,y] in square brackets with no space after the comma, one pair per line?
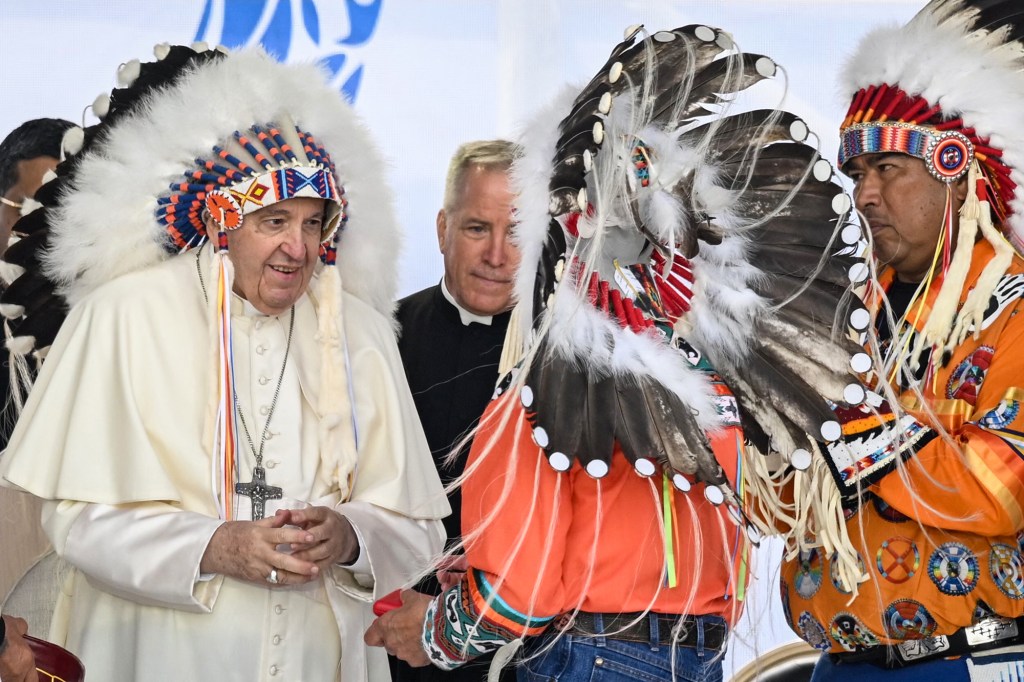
[581,332]
[723,308]
[529,180]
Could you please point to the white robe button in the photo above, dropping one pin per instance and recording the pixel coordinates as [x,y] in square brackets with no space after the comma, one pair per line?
[277,639]
[279,609]
[264,409]
[264,381]
[273,670]
[260,350]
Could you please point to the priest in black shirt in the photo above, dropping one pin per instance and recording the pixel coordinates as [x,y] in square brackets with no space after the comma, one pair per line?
[452,333]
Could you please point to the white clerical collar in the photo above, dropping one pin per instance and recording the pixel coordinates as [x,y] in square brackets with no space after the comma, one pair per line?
[249,310]
[464,314]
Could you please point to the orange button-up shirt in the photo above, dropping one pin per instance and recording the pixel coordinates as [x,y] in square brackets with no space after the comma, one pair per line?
[551,542]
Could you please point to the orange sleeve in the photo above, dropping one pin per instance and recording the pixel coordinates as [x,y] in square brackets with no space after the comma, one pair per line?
[982,490]
[516,512]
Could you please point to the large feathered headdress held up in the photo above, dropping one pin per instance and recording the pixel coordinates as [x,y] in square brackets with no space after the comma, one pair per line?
[948,88]
[203,132]
[688,269]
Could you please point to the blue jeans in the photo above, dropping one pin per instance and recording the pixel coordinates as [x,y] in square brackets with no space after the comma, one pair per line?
[1009,665]
[941,670]
[591,658]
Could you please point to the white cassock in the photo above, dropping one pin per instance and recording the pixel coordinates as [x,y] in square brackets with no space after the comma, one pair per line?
[117,433]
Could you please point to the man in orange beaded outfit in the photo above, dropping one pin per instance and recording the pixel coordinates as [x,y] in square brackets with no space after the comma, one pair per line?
[934,158]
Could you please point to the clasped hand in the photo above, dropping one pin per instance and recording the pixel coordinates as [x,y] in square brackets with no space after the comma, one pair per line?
[296,543]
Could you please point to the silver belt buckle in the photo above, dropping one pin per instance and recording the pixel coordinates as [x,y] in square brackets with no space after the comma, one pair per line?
[991,629]
[913,649]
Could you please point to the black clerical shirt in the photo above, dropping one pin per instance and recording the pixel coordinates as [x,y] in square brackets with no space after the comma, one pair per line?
[452,368]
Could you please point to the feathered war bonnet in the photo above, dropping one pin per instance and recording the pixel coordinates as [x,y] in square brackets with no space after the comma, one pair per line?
[948,88]
[203,131]
[687,268]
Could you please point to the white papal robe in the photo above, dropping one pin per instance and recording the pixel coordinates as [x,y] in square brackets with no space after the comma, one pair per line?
[117,434]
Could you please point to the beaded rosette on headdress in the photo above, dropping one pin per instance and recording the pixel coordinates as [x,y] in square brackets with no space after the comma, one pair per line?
[138,187]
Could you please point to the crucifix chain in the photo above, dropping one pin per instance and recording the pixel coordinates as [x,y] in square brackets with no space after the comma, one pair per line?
[257,489]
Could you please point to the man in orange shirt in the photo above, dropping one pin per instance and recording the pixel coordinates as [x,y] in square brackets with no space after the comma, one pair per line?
[602,499]
[939,538]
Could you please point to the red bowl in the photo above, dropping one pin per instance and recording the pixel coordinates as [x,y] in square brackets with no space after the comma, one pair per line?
[55,663]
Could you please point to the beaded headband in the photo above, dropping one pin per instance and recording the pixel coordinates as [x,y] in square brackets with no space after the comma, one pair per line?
[254,170]
[947,155]
[886,119]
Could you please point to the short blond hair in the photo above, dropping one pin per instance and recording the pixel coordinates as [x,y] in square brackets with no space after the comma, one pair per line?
[496,155]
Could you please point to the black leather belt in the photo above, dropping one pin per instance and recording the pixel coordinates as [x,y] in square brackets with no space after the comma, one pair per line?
[991,633]
[621,626]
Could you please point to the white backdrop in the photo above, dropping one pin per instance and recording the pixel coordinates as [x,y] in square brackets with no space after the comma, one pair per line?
[429,74]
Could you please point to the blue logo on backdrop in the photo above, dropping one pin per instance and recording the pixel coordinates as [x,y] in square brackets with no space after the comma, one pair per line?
[327,30]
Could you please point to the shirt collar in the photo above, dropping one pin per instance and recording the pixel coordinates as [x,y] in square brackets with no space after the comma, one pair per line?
[464,315]
[241,306]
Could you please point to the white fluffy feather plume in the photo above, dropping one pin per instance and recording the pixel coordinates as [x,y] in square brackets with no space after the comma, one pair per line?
[106,225]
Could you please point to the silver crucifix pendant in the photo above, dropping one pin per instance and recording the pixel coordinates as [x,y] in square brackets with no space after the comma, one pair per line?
[259,492]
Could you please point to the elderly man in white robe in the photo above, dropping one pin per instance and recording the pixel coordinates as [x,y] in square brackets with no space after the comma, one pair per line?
[230,455]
